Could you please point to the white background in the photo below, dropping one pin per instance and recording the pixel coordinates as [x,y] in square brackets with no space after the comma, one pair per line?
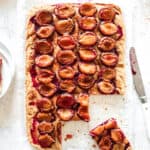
[12,120]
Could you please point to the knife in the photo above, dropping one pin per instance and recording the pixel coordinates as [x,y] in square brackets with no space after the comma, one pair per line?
[139,86]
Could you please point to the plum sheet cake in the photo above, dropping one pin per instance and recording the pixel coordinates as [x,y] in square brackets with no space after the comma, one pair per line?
[109,136]
[72,51]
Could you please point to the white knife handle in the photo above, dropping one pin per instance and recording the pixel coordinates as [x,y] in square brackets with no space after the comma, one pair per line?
[146,112]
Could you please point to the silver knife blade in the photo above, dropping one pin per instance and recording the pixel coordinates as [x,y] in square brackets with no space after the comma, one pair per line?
[138,82]
[137,79]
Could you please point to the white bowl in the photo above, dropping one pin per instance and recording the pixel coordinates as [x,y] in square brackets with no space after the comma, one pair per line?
[8,68]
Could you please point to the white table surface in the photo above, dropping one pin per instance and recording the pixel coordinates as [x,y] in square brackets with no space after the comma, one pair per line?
[11,129]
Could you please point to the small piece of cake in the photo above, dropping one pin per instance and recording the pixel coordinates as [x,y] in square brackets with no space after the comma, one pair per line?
[109,136]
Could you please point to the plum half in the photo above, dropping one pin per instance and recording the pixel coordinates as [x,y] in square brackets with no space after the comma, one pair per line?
[108,28]
[106,87]
[83,113]
[87,9]
[45,76]
[64,26]
[66,72]
[88,39]
[47,90]
[44,60]
[67,86]
[107,14]
[105,143]
[43,17]
[83,99]
[66,57]
[106,44]
[43,47]
[45,31]
[109,59]
[107,73]
[64,11]
[45,141]
[67,42]
[65,101]
[87,54]
[87,68]
[85,81]
[87,23]
[44,105]
[42,116]
[45,127]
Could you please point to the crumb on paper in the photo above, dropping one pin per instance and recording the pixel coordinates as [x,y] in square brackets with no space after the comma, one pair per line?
[68,136]
[94,146]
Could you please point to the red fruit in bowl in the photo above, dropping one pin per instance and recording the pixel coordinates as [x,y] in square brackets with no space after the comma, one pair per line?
[106,44]
[43,17]
[87,9]
[45,31]
[47,90]
[67,42]
[44,60]
[107,14]
[106,87]
[67,85]
[117,135]
[87,54]
[108,28]
[43,47]
[66,57]
[87,23]
[66,72]
[83,113]
[45,141]
[109,59]
[45,127]
[45,76]
[97,131]
[88,39]
[65,114]
[87,68]
[64,26]
[65,101]
[64,11]
[44,105]
[85,81]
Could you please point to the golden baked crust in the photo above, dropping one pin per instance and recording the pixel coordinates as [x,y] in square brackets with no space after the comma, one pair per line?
[32,93]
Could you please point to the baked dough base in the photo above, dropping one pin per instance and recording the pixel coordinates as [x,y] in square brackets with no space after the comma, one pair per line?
[31,92]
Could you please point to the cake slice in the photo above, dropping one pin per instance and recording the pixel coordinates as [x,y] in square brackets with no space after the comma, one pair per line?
[109,136]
